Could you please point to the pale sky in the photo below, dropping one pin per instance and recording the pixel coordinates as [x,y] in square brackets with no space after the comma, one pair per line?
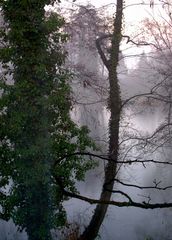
[135,9]
[134,13]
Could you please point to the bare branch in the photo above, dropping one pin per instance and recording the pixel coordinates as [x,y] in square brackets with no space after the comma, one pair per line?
[143,205]
[99,48]
[106,158]
[144,187]
[157,97]
[138,44]
[130,203]
[120,192]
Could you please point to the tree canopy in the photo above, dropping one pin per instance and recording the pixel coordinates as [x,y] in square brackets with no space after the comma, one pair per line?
[36,128]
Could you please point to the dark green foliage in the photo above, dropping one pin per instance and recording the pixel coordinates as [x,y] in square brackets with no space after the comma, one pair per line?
[36,128]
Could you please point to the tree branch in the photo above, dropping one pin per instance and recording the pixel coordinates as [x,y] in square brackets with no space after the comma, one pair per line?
[106,158]
[142,187]
[100,51]
[143,205]
[138,44]
[120,192]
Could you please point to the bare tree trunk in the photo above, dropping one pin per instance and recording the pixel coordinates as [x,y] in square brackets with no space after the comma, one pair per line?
[92,230]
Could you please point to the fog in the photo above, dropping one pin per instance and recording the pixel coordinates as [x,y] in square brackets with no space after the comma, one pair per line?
[140,117]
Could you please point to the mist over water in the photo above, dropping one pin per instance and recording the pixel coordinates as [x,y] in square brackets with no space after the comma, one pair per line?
[145,117]
[128,223]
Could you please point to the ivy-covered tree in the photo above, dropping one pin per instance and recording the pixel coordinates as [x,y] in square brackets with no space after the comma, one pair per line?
[37,136]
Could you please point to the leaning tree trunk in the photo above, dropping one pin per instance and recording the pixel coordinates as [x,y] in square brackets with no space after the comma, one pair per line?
[92,230]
